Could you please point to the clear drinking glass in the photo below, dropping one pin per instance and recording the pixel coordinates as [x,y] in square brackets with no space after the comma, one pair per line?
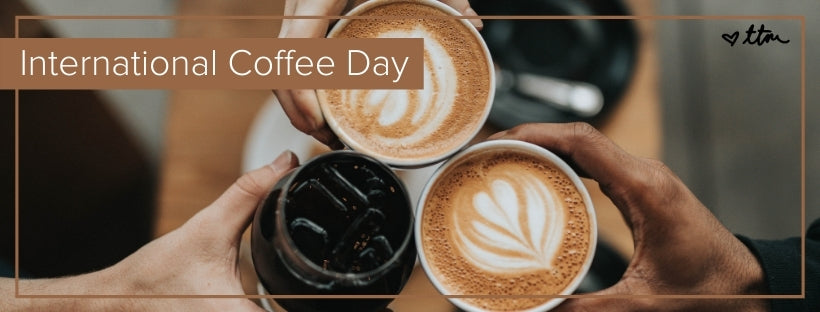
[341,224]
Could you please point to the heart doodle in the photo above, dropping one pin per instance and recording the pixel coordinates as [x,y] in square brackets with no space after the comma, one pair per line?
[731,39]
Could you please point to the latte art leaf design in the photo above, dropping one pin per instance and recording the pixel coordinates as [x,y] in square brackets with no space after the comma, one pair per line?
[518,226]
[402,117]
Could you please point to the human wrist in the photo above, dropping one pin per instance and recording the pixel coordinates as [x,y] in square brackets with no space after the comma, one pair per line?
[748,278]
[753,282]
[74,293]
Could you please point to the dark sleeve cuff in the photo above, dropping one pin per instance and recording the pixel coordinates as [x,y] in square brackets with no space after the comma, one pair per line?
[781,263]
[780,260]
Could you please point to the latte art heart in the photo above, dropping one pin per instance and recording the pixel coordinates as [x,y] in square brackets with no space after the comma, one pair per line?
[519,228]
[406,117]
[504,221]
[415,127]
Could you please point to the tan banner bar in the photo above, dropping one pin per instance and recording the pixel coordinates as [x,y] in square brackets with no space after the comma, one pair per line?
[169,63]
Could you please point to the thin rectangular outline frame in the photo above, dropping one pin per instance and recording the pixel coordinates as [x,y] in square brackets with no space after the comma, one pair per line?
[801,18]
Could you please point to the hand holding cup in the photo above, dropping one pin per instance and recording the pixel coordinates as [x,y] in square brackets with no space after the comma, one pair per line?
[302,106]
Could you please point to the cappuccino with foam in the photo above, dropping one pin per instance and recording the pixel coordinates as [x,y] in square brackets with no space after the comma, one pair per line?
[410,128]
[503,218]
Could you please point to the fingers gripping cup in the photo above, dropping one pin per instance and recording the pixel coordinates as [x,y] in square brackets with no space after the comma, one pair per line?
[341,224]
[414,128]
[505,218]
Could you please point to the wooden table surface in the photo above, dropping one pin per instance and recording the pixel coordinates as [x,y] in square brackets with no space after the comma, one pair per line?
[206,131]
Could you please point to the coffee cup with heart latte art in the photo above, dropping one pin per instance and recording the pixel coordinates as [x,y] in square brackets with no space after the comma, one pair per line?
[415,128]
[505,218]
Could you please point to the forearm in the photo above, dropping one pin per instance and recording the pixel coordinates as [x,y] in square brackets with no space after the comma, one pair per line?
[87,284]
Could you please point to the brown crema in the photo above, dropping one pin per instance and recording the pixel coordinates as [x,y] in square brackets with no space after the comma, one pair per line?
[451,212]
[410,125]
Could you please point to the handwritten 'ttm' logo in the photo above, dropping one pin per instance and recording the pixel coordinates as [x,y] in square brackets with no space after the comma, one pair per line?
[764,36]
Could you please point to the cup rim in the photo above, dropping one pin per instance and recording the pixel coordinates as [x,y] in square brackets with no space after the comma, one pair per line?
[527,148]
[398,162]
[335,275]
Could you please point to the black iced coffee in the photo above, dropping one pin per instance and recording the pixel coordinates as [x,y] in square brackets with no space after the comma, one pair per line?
[339,225]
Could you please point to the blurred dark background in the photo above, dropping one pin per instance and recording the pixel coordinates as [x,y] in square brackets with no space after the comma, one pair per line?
[731,114]
[86,187]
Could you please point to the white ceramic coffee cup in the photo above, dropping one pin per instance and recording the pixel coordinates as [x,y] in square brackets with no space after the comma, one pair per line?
[398,162]
[509,145]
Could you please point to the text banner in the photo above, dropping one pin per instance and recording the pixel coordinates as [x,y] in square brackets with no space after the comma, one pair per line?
[171,63]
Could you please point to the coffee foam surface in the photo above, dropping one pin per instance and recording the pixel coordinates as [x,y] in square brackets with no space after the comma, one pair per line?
[505,223]
[412,124]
